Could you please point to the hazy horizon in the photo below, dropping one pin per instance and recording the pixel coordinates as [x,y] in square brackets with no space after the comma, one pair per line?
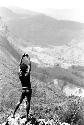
[62,9]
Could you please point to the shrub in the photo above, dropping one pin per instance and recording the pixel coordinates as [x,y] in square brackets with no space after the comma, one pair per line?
[75,111]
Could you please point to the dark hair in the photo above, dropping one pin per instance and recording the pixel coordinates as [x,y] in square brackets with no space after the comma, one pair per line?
[25,54]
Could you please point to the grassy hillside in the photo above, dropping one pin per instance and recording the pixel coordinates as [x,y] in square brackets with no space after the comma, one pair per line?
[10,87]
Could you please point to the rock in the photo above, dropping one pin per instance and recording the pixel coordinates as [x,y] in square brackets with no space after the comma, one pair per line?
[30,121]
[65,123]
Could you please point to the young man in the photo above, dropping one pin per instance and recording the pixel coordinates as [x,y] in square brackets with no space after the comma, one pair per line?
[24,76]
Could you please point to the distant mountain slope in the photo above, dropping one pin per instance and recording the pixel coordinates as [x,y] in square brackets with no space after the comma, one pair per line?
[44,30]
[15,13]
[7,13]
[23,12]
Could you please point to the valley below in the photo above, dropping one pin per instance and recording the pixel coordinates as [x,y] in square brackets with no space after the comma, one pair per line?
[70,56]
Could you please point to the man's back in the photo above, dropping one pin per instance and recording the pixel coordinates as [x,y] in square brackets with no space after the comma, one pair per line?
[26,60]
[25,80]
[24,71]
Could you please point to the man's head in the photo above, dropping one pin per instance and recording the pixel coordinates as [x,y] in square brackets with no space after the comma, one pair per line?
[26,57]
[25,62]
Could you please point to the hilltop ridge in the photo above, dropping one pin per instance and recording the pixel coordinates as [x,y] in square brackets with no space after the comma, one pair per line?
[42,29]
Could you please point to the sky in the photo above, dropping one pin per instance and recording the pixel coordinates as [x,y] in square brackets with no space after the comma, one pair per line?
[43,4]
[63,9]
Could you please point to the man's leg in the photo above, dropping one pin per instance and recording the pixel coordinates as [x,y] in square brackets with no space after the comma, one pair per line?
[28,102]
[28,107]
[21,99]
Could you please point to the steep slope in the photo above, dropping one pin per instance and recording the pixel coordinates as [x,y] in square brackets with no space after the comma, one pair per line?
[8,78]
[5,43]
[10,87]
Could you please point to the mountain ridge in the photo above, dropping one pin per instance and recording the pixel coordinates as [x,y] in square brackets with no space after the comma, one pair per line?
[43,30]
